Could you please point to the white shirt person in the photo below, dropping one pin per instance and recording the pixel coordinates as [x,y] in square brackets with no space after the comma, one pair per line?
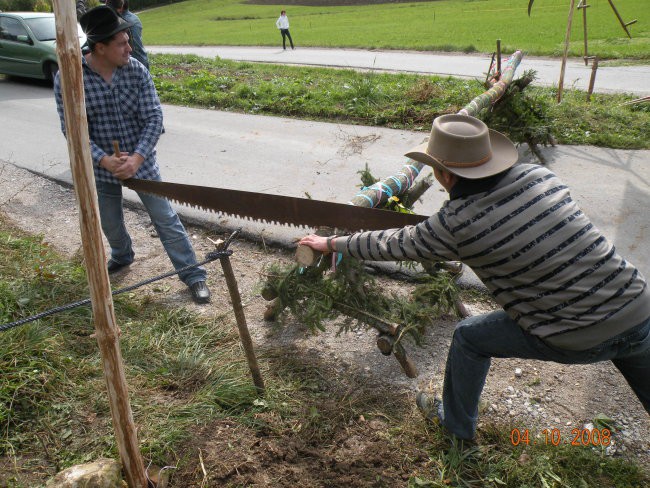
[283,24]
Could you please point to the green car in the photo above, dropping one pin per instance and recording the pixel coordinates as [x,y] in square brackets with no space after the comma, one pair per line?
[28,44]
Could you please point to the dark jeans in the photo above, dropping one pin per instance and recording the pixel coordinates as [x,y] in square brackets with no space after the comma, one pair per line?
[495,335]
[285,34]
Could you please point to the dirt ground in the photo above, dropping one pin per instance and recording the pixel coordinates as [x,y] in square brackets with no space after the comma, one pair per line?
[537,395]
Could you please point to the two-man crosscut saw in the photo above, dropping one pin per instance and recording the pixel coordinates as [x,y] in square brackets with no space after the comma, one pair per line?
[277,208]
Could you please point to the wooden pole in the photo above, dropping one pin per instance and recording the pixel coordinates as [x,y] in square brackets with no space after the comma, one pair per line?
[106,329]
[567,38]
[244,335]
[592,79]
[583,5]
[498,74]
[620,19]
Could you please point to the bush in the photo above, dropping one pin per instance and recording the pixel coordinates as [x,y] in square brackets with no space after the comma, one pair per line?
[143,4]
[17,5]
[35,5]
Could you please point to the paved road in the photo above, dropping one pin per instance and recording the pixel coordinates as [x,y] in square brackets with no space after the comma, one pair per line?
[294,157]
[609,79]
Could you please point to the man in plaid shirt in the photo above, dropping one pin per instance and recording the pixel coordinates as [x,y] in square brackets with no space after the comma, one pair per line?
[122,105]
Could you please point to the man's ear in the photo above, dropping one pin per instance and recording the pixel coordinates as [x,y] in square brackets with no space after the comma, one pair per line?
[100,48]
[450,178]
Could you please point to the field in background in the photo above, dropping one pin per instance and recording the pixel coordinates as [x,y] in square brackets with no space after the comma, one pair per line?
[446,25]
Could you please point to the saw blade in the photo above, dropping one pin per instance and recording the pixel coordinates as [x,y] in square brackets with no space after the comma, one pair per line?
[276,209]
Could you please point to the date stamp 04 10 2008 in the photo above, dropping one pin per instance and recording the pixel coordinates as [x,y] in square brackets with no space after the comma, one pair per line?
[553,437]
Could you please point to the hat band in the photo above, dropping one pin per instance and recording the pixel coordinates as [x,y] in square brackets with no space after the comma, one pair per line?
[470,164]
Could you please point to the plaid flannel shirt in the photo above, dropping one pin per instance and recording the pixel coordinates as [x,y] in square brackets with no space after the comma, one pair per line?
[126,110]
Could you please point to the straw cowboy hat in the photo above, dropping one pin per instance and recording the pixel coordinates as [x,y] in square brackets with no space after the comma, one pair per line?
[101,23]
[464,145]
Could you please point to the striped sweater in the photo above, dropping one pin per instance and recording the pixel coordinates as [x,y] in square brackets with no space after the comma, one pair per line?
[538,254]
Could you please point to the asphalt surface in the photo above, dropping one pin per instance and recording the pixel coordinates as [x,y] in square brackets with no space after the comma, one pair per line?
[321,160]
[609,79]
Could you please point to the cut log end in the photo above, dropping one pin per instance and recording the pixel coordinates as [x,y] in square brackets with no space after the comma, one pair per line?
[306,256]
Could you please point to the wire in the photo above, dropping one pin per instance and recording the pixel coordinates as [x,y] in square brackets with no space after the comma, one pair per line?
[211,256]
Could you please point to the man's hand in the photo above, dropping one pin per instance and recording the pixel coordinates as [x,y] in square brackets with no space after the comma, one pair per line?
[317,243]
[130,167]
[122,166]
[111,162]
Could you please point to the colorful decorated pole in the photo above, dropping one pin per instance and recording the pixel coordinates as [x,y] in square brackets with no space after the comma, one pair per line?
[489,97]
[398,184]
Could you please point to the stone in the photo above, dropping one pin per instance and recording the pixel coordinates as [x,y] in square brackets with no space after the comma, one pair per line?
[518,372]
[103,473]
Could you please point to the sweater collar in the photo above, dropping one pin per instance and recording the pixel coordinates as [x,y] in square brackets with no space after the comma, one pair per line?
[466,187]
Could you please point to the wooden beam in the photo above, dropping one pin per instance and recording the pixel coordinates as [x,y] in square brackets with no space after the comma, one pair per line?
[567,39]
[106,329]
[620,19]
[583,5]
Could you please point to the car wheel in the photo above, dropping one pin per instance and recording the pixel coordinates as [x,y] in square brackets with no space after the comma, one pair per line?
[51,69]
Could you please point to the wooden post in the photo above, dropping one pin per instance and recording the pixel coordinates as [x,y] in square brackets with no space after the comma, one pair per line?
[567,39]
[244,335]
[106,329]
[592,79]
[620,19]
[583,5]
[498,74]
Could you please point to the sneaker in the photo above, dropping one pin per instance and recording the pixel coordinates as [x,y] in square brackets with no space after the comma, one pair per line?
[430,407]
[200,292]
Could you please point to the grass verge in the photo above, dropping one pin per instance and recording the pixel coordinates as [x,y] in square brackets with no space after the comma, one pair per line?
[195,407]
[182,370]
[401,101]
[443,25]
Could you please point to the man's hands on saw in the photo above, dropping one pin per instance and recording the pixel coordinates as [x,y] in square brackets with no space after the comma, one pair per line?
[122,165]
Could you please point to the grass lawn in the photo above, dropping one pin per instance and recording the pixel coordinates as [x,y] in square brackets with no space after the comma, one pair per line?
[403,101]
[445,25]
[196,410]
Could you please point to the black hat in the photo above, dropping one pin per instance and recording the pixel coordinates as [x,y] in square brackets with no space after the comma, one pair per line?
[101,23]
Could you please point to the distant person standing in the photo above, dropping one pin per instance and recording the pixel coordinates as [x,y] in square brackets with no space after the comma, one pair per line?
[135,37]
[283,24]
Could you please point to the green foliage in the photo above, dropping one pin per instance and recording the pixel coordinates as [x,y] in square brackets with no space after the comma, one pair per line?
[523,115]
[442,25]
[400,101]
[314,296]
[17,5]
[182,370]
[367,179]
[36,5]
[496,463]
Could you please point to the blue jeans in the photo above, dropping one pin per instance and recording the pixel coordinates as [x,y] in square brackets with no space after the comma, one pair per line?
[169,227]
[495,335]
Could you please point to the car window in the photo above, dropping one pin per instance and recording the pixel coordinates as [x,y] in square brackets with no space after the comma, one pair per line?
[10,29]
[43,28]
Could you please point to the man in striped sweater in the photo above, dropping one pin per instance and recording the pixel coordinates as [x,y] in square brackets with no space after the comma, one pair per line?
[566,294]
